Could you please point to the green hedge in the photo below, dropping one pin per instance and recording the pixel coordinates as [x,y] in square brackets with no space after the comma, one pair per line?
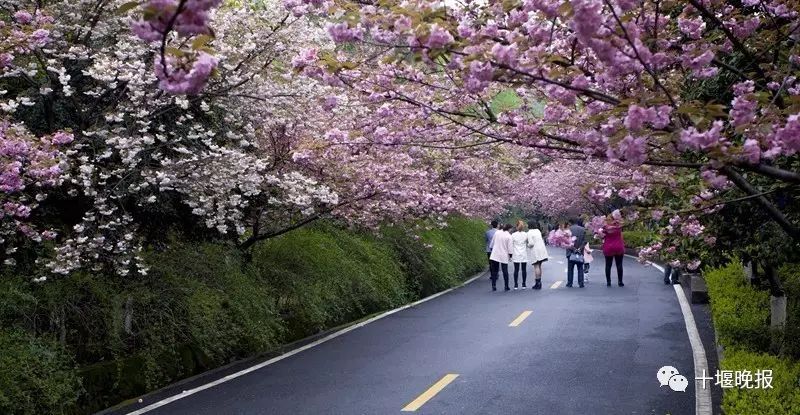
[323,277]
[638,239]
[790,277]
[782,398]
[740,312]
[85,342]
[438,258]
[741,317]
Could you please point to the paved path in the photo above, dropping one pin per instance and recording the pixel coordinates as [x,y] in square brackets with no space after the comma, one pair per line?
[594,350]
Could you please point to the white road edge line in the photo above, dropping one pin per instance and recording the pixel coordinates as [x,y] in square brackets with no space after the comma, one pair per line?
[702,397]
[332,336]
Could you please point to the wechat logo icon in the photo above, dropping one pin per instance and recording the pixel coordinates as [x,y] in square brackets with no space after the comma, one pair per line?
[669,376]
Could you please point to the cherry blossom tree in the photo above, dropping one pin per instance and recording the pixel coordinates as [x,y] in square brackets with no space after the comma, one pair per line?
[122,121]
[699,89]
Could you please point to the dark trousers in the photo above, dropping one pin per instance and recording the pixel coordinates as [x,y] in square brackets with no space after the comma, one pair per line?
[571,271]
[517,266]
[618,260]
[504,268]
[494,268]
[671,276]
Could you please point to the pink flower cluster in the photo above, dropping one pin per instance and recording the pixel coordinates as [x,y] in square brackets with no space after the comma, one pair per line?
[693,139]
[26,160]
[599,194]
[342,32]
[439,37]
[596,226]
[692,227]
[188,17]
[188,73]
[183,75]
[788,136]
[631,151]
[478,76]
[649,252]
[693,265]
[637,116]
[25,33]
[714,179]
[561,238]
[27,163]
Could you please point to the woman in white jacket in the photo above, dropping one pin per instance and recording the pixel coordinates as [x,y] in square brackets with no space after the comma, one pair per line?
[502,249]
[537,252]
[520,255]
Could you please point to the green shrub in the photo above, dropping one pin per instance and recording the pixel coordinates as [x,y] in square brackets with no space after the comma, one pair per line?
[467,237]
[740,312]
[323,277]
[638,239]
[204,304]
[790,277]
[195,310]
[228,312]
[782,399]
[438,259]
[36,375]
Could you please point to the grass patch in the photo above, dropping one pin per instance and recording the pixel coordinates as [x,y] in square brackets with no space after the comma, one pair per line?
[782,398]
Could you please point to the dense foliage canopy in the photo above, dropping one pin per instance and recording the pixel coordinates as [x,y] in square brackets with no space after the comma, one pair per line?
[254,118]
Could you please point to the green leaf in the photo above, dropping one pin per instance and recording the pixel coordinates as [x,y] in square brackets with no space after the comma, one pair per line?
[716,110]
[505,101]
[175,51]
[125,8]
[201,41]
[349,65]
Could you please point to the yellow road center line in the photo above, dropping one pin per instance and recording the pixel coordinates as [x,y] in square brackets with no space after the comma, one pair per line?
[517,321]
[430,393]
[556,285]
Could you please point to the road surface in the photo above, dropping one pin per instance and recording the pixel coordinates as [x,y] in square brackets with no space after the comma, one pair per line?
[592,350]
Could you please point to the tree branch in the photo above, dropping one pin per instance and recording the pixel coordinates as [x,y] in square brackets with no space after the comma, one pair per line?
[771,171]
[249,242]
[770,208]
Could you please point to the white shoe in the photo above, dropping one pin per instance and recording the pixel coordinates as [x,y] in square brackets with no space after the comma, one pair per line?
[516,288]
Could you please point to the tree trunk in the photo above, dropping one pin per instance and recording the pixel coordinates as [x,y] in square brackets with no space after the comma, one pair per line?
[777,315]
[128,319]
[775,287]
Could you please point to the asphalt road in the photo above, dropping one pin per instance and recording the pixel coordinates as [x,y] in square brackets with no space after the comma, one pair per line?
[593,350]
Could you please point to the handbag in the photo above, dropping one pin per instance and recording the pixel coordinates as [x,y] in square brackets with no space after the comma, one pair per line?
[577,256]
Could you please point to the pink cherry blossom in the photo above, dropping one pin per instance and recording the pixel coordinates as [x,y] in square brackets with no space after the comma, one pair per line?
[439,37]
[561,238]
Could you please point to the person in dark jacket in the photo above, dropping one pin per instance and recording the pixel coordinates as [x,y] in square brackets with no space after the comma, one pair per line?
[579,232]
[489,237]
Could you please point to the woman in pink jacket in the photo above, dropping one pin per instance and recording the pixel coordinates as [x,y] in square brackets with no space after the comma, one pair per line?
[613,249]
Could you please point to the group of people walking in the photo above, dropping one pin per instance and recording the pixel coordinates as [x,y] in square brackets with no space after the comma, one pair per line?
[526,245]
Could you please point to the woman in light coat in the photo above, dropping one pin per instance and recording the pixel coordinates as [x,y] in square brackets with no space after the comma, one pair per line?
[502,248]
[520,255]
[537,253]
